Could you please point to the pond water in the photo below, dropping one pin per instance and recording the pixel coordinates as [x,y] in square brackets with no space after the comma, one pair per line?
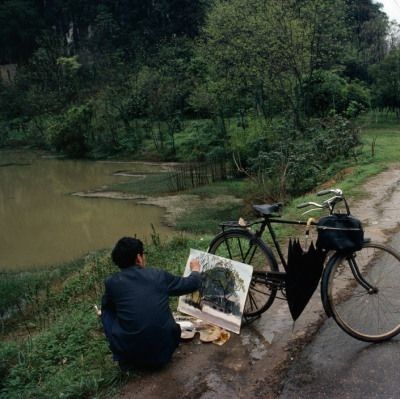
[42,224]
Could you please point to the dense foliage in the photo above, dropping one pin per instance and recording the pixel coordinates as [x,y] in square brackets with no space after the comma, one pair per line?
[193,80]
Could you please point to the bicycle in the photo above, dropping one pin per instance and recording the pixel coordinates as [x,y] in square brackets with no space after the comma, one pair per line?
[360,290]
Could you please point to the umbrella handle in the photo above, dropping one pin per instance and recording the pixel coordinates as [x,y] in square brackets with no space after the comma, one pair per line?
[310,221]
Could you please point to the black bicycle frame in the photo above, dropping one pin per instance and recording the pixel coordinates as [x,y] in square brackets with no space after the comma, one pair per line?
[267,222]
[350,258]
[357,275]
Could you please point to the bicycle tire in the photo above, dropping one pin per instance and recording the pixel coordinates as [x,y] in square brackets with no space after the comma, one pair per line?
[371,315]
[245,247]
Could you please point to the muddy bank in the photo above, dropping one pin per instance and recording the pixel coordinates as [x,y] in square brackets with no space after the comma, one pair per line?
[174,205]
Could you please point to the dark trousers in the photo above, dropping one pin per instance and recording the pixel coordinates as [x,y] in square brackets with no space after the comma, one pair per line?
[108,318]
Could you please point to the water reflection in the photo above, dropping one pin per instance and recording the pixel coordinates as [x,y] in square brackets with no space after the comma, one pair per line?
[42,224]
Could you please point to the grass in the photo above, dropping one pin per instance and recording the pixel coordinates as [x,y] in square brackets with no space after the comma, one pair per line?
[160,184]
[22,287]
[56,333]
[235,187]
[151,184]
[206,220]
[45,366]
[380,148]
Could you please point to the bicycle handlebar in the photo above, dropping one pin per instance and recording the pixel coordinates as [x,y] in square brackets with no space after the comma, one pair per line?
[306,204]
[303,205]
[329,203]
[337,191]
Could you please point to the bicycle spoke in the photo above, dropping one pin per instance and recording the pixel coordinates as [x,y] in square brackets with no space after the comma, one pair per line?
[260,292]
[253,303]
[241,250]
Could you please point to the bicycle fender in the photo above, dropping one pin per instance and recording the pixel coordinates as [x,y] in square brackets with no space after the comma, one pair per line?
[324,284]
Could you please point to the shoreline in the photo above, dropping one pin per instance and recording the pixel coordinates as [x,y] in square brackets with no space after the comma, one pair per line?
[174,205]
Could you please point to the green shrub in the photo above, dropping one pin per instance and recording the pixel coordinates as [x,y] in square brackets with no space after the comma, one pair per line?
[70,134]
[328,93]
[201,142]
[13,132]
[295,162]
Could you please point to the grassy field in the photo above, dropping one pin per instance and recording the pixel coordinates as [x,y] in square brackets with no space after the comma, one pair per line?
[51,341]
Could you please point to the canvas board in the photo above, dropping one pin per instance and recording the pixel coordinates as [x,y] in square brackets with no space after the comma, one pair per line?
[221,298]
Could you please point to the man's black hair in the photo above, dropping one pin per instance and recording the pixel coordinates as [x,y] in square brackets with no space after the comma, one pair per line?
[125,251]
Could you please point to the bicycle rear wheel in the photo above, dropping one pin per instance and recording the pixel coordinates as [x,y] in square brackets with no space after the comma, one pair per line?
[243,246]
[362,292]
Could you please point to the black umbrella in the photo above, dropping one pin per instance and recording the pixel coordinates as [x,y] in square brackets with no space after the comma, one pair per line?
[303,272]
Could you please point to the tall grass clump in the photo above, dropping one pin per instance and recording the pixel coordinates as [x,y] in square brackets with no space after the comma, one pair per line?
[22,289]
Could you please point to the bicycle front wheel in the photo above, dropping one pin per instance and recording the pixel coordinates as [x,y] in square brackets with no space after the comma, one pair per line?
[243,246]
[362,292]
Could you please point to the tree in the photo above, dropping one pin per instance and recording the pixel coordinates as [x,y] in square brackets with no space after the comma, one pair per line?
[70,134]
[328,93]
[20,24]
[166,84]
[369,27]
[386,82]
[266,49]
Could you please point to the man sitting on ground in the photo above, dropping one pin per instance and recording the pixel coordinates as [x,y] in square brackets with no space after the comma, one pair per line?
[136,316]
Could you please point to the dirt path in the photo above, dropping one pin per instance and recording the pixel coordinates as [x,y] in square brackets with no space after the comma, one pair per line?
[250,365]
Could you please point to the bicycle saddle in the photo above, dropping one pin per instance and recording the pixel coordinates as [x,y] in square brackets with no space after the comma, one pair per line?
[267,209]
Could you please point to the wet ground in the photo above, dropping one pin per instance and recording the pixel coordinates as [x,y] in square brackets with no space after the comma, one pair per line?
[335,365]
[268,359]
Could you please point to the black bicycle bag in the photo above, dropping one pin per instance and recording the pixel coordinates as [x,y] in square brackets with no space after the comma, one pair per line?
[340,232]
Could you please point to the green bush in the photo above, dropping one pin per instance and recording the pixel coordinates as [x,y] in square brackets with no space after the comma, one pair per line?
[295,162]
[70,134]
[200,142]
[328,93]
[13,132]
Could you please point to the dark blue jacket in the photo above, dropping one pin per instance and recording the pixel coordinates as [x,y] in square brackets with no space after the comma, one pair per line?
[142,329]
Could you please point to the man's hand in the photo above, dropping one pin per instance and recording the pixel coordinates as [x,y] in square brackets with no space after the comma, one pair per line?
[194,265]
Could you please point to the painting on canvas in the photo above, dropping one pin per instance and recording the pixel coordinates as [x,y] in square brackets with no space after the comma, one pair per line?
[223,292]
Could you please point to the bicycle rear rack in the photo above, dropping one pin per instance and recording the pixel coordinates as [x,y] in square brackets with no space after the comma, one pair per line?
[232,224]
